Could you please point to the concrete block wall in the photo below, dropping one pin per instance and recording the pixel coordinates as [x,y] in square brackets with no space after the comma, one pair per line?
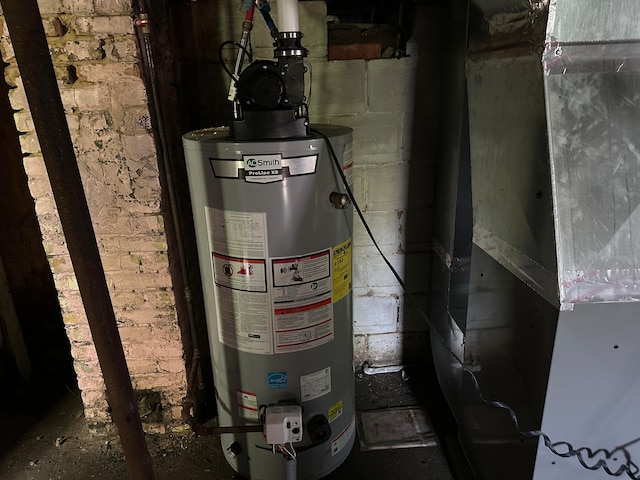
[95,55]
[393,176]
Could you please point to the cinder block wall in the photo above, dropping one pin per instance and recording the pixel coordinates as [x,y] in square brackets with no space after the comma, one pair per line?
[391,104]
[94,50]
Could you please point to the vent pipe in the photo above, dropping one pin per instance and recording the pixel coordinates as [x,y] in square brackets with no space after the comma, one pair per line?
[288,20]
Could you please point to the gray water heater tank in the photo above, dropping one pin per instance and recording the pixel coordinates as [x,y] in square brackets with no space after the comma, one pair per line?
[276,264]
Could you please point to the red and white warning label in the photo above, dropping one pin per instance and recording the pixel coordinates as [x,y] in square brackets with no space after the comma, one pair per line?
[247,405]
[302,306]
[339,442]
[269,305]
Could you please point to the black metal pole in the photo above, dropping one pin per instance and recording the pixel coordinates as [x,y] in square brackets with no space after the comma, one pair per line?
[32,53]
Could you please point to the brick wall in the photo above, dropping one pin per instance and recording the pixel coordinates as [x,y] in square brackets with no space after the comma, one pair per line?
[95,55]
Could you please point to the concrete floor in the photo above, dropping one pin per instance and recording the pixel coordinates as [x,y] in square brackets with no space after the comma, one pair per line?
[384,391]
[56,444]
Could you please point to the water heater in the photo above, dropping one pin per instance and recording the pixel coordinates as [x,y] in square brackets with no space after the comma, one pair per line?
[274,235]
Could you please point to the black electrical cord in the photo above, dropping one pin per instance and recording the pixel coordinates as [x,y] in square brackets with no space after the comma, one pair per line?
[562,449]
[237,45]
[366,227]
[565,449]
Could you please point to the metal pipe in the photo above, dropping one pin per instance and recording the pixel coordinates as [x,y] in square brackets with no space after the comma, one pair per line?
[145,28]
[143,22]
[369,370]
[292,468]
[247,26]
[32,53]
[203,430]
[265,10]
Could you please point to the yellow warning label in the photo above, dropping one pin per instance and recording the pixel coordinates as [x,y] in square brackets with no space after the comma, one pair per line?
[341,270]
[335,411]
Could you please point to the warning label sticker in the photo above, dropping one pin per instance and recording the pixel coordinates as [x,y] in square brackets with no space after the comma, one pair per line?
[239,273]
[237,234]
[243,320]
[339,442]
[335,410]
[247,405]
[294,271]
[238,242]
[342,275]
[303,327]
[302,307]
[272,305]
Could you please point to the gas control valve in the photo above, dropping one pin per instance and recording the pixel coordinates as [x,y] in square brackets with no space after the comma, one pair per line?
[283,424]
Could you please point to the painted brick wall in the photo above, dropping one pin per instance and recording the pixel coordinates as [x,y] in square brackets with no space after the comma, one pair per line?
[391,106]
[95,55]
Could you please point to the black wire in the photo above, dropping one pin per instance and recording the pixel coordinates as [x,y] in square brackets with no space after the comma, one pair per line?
[562,449]
[247,52]
[366,227]
[565,449]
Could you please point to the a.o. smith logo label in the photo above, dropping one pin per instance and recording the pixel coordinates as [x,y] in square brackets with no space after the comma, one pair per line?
[262,168]
[263,162]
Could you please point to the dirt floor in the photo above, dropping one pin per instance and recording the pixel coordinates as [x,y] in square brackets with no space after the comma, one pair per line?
[57,444]
[60,446]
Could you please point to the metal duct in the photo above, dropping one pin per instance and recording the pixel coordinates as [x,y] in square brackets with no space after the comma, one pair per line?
[589,21]
[538,291]
[492,7]
[591,66]
[592,90]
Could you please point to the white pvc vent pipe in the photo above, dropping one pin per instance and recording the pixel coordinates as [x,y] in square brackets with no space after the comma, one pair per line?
[288,16]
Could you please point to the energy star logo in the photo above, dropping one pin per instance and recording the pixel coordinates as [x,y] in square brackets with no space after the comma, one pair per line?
[277,379]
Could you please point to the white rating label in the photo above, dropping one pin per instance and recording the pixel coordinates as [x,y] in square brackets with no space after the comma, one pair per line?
[315,384]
